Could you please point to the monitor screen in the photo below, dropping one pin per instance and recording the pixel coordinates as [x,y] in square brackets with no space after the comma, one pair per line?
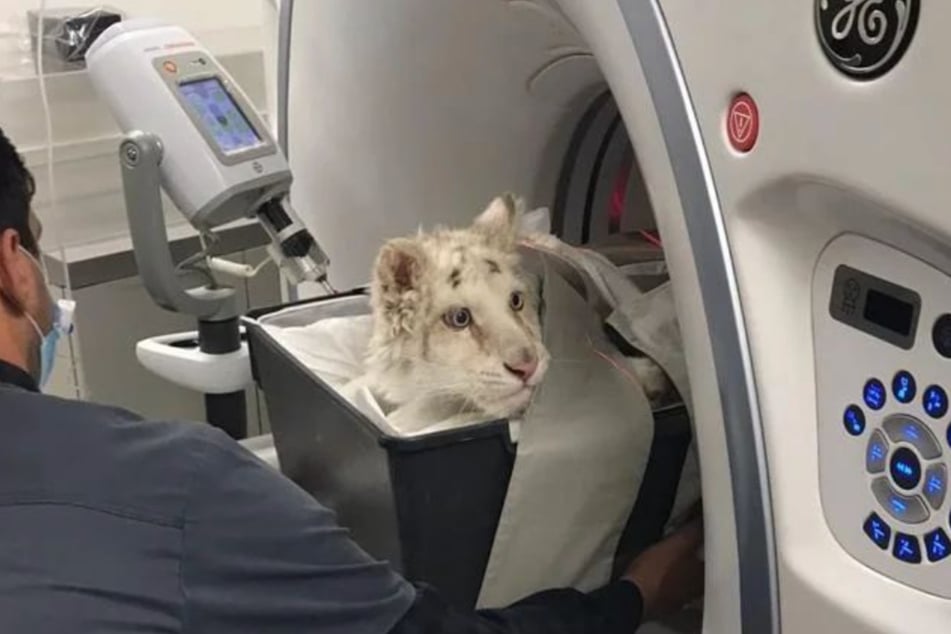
[220,115]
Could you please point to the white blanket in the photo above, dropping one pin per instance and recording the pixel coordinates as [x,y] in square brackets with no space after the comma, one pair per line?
[334,349]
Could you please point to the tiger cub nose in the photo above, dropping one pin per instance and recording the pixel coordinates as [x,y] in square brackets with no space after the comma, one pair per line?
[525,367]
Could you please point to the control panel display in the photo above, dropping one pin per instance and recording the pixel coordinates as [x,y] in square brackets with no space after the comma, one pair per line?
[883,404]
[219,114]
[889,312]
[875,306]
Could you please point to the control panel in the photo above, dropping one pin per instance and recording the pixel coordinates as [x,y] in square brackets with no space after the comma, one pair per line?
[882,328]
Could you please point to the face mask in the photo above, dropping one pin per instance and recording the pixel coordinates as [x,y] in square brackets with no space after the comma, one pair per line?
[62,325]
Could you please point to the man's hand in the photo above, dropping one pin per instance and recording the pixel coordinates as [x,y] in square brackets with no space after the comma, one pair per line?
[669,574]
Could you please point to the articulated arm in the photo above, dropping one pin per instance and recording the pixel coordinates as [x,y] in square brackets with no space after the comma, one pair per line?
[140,155]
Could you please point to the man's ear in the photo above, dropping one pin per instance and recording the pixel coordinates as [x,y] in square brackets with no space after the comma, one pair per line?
[399,279]
[499,222]
[14,278]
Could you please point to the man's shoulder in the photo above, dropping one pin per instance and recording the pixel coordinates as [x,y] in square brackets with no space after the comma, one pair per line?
[104,429]
[105,457]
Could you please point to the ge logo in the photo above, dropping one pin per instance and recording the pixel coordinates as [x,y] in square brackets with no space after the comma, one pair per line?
[257,167]
[850,296]
[865,39]
[852,289]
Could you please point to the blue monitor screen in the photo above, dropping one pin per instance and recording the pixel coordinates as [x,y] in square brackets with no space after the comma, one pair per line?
[220,115]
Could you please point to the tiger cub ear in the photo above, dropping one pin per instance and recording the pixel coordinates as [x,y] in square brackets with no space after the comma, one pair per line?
[399,278]
[498,224]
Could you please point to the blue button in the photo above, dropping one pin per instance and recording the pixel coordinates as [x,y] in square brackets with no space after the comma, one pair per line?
[854,420]
[878,531]
[905,468]
[902,428]
[904,508]
[874,394]
[907,548]
[936,483]
[898,506]
[935,401]
[937,545]
[875,452]
[904,387]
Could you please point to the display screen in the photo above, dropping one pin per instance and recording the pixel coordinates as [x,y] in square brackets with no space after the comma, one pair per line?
[220,115]
[875,306]
[889,312]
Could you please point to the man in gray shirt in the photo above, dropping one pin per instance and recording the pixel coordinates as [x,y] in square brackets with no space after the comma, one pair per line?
[112,524]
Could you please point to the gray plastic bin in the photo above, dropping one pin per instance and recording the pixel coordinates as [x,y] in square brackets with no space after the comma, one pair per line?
[428,505]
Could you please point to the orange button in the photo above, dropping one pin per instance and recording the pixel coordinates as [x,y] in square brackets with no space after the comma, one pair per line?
[170,67]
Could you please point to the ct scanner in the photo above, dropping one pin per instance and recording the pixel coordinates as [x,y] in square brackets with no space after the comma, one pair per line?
[789,156]
[807,243]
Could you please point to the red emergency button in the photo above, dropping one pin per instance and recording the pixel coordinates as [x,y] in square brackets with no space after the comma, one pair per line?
[742,123]
[170,67]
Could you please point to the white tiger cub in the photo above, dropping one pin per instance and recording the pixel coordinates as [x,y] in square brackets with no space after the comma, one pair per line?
[456,332]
